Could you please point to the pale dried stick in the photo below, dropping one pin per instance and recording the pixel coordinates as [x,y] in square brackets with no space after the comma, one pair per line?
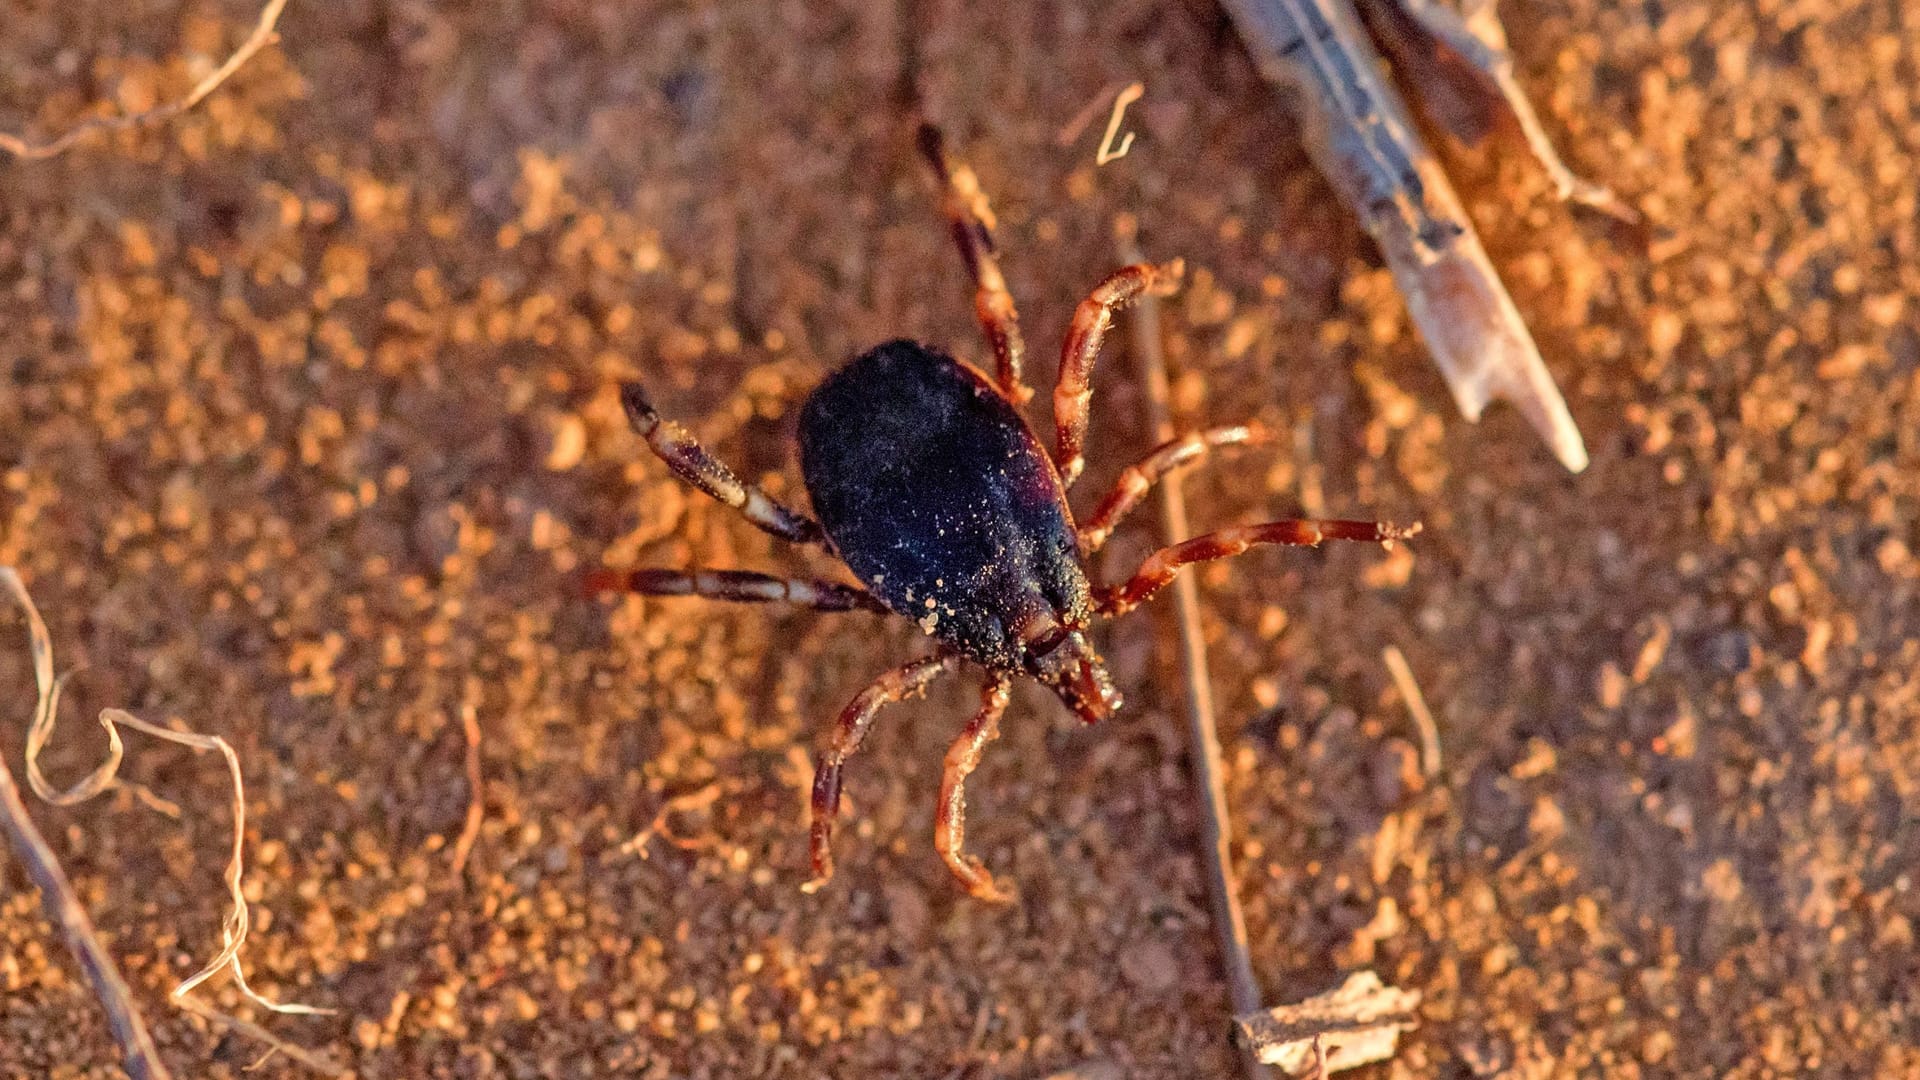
[1359,134]
[57,897]
[262,36]
[234,928]
[1203,734]
[1416,708]
[1357,1023]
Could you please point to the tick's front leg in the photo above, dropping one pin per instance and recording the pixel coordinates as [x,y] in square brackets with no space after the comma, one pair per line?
[737,586]
[689,460]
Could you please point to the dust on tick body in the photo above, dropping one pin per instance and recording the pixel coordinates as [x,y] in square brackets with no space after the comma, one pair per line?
[935,492]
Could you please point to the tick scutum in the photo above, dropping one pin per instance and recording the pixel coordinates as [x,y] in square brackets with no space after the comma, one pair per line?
[941,500]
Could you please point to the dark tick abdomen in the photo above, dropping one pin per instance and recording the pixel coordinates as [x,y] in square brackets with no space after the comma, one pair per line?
[933,488]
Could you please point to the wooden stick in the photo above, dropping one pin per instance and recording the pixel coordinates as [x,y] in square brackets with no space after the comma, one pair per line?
[1202,732]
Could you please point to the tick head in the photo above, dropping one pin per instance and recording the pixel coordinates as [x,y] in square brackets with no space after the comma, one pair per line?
[1064,660]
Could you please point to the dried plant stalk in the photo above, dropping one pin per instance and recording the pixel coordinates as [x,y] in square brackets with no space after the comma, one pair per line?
[234,928]
[262,36]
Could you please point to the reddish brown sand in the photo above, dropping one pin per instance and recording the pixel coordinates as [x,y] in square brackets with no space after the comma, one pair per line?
[307,426]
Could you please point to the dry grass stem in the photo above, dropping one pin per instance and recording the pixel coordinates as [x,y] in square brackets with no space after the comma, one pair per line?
[1077,126]
[234,928]
[262,36]
[56,892]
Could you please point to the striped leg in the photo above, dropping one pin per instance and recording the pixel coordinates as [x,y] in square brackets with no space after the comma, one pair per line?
[683,454]
[739,586]
[1138,479]
[972,223]
[909,680]
[1162,565]
[1091,320]
[950,820]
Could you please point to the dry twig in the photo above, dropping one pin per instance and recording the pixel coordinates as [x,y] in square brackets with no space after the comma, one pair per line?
[262,36]
[234,928]
[1202,731]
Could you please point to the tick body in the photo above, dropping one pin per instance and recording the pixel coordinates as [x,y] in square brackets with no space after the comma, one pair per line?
[931,487]
[945,505]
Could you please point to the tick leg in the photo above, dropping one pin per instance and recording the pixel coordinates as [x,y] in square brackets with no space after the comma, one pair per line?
[676,446]
[950,820]
[1090,323]
[909,680]
[1160,567]
[1139,478]
[739,586]
[972,222]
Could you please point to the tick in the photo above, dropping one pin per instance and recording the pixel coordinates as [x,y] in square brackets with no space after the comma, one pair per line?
[931,487]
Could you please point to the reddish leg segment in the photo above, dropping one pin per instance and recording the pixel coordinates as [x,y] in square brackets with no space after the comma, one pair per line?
[683,454]
[1139,478]
[739,586]
[1160,567]
[849,732]
[1090,323]
[950,820]
[972,222]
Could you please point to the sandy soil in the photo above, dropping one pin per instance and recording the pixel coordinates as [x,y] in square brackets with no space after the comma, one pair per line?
[308,427]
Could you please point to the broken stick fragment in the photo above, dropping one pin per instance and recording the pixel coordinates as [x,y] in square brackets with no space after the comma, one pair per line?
[1429,33]
[1356,1024]
[1360,135]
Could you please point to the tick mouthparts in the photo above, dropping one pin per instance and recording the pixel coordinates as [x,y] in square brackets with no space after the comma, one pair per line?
[1066,662]
[1088,690]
